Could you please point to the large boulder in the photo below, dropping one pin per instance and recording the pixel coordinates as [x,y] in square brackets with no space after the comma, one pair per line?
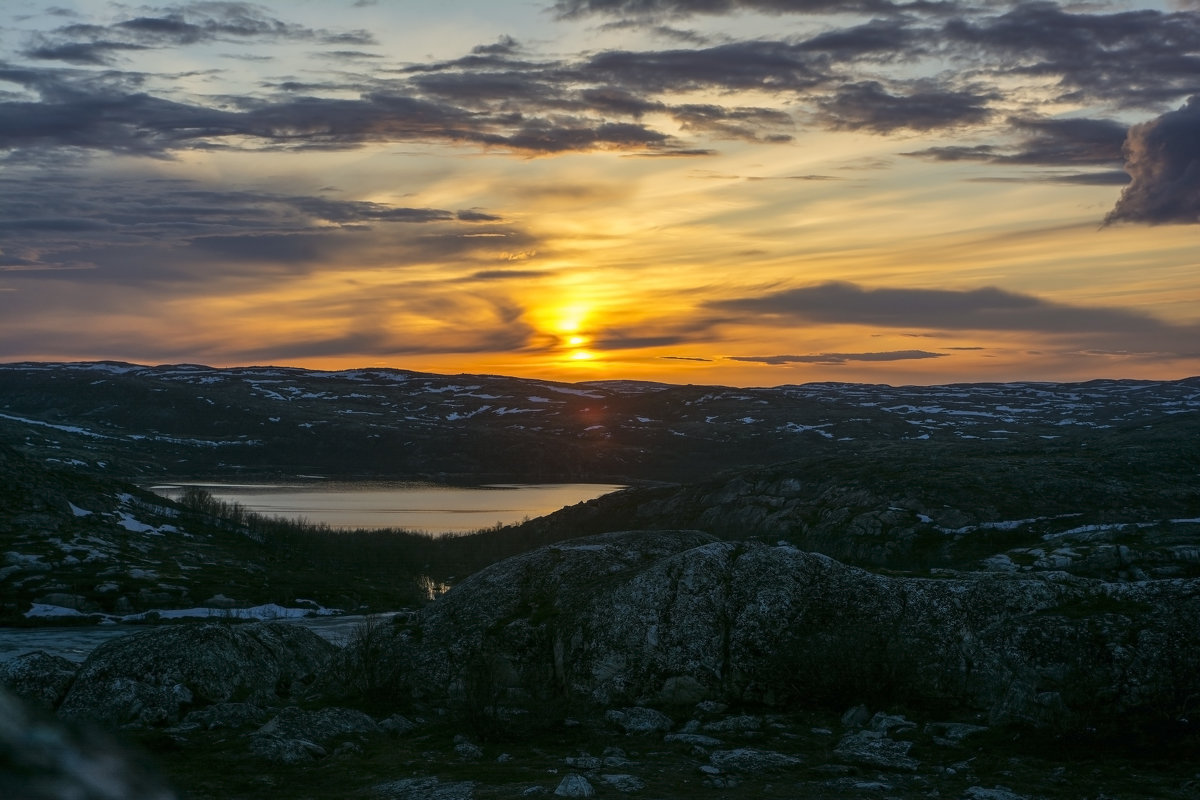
[40,677]
[154,677]
[622,618]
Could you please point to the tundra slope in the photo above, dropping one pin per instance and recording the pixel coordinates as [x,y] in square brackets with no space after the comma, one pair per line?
[187,420]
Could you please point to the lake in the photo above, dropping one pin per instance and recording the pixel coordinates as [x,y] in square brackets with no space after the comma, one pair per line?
[426,507]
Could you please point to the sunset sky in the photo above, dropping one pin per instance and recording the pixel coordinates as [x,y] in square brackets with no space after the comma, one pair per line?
[739,192]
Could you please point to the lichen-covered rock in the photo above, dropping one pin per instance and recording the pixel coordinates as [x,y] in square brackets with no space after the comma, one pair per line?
[751,760]
[612,618]
[39,677]
[320,725]
[152,678]
[870,749]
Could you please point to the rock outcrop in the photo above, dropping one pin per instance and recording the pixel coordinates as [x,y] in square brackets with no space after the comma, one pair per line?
[153,678]
[40,677]
[621,618]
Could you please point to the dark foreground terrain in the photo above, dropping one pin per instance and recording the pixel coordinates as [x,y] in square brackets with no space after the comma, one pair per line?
[984,592]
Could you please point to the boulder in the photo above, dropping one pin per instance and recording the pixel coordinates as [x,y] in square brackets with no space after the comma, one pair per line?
[611,619]
[153,677]
[870,749]
[39,677]
[751,760]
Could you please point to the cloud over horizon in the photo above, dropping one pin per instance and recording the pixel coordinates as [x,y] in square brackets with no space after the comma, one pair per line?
[576,185]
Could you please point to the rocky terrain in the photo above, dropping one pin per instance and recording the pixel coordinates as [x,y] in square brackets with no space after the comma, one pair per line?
[144,423]
[658,664]
[984,592]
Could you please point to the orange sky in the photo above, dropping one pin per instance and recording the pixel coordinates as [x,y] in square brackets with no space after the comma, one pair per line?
[778,193]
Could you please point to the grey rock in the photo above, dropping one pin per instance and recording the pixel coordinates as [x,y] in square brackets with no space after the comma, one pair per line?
[639,720]
[624,783]
[574,786]
[584,761]
[750,760]
[996,793]
[468,751]
[870,749]
[44,759]
[694,739]
[610,619]
[39,677]
[423,789]
[146,678]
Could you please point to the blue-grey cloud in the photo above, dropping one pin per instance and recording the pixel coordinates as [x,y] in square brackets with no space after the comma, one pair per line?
[938,309]
[869,106]
[187,24]
[840,358]
[1163,160]
[569,9]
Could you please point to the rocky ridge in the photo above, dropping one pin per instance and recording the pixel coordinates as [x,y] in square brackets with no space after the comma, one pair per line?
[654,663]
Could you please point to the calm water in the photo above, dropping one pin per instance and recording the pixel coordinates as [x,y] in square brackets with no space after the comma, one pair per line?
[413,506]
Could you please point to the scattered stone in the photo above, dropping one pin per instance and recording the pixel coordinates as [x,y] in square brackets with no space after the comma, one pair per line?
[750,760]
[624,783]
[711,707]
[424,789]
[584,761]
[466,749]
[867,748]
[695,739]
[996,793]
[575,786]
[504,758]
[639,720]
[39,677]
